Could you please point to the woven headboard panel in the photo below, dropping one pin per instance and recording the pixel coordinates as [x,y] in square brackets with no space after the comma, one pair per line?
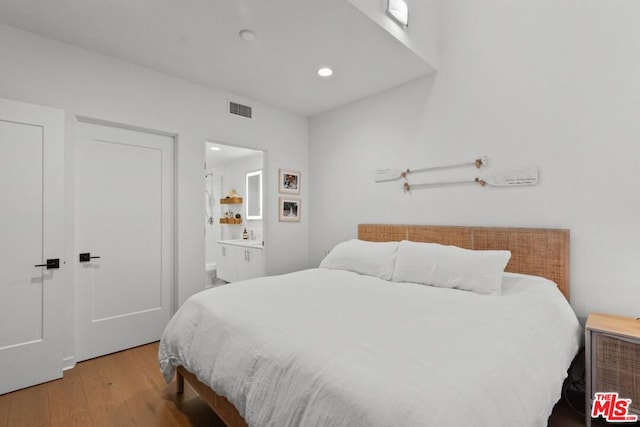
[535,251]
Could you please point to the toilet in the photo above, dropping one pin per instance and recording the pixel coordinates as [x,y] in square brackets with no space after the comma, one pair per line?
[210,274]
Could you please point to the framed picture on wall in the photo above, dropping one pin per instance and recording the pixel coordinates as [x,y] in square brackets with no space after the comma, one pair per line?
[289,208]
[289,181]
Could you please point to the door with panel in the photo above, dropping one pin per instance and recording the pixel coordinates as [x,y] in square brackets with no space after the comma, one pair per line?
[31,238]
[124,237]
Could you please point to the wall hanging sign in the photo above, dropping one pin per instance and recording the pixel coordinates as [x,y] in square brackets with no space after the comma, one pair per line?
[501,178]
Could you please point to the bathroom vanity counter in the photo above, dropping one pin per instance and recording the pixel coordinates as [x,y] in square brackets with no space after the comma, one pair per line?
[241,242]
[240,259]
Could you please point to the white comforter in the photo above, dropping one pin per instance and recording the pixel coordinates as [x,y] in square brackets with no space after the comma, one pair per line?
[334,348]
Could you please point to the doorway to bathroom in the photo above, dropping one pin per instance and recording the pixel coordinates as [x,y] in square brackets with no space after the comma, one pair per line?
[234,226]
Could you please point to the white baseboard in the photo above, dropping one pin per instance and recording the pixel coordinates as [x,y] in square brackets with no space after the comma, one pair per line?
[68,363]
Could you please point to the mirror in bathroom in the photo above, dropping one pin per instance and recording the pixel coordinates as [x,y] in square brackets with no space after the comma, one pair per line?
[254,194]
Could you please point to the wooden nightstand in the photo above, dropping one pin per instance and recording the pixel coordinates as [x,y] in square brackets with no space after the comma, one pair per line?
[612,349]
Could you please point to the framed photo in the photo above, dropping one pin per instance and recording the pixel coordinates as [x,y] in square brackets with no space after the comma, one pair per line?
[289,181]
[289,208]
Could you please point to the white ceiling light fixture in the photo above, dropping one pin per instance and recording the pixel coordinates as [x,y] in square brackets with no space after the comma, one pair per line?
[214,148]
[399,11]
[325,72]
[248,35]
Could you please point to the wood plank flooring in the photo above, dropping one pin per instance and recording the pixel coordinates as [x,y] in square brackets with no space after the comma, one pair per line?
[121,389]
[127,389]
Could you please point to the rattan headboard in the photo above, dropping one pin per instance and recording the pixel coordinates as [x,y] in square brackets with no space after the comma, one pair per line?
[536,251]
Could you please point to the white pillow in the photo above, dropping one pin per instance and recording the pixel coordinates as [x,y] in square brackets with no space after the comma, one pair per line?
[371,258]
[451,267]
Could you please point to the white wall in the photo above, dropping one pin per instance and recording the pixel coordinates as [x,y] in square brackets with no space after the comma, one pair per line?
[549,84]
[421,36]
[41,71]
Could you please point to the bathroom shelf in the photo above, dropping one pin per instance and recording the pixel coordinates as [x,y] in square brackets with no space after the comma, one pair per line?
[230,220]
[231,201]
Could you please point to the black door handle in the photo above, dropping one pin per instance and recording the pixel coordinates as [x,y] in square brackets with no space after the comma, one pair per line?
[86,257]
[51,263]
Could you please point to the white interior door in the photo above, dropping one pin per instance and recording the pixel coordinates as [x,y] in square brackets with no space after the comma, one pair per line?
[31,230]
[124,217]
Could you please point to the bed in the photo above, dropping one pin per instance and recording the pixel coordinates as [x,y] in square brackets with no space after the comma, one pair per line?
[331,347]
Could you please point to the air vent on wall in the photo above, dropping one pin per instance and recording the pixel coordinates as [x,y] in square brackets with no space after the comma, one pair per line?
[239,109]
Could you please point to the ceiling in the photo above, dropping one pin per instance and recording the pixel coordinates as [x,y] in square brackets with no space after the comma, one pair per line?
[197,40]
[226,154]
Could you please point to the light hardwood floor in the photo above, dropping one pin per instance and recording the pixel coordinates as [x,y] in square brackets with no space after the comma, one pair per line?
[127,389]
[121,389]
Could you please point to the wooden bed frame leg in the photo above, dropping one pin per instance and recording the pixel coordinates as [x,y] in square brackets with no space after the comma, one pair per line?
[224,409]
[180,382]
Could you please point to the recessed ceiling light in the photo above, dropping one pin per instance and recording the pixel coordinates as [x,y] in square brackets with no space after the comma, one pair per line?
[215,148]
[247,35]
[325,72]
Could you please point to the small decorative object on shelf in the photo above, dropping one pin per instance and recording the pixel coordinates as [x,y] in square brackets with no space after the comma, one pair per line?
[231,218]
[232,198]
